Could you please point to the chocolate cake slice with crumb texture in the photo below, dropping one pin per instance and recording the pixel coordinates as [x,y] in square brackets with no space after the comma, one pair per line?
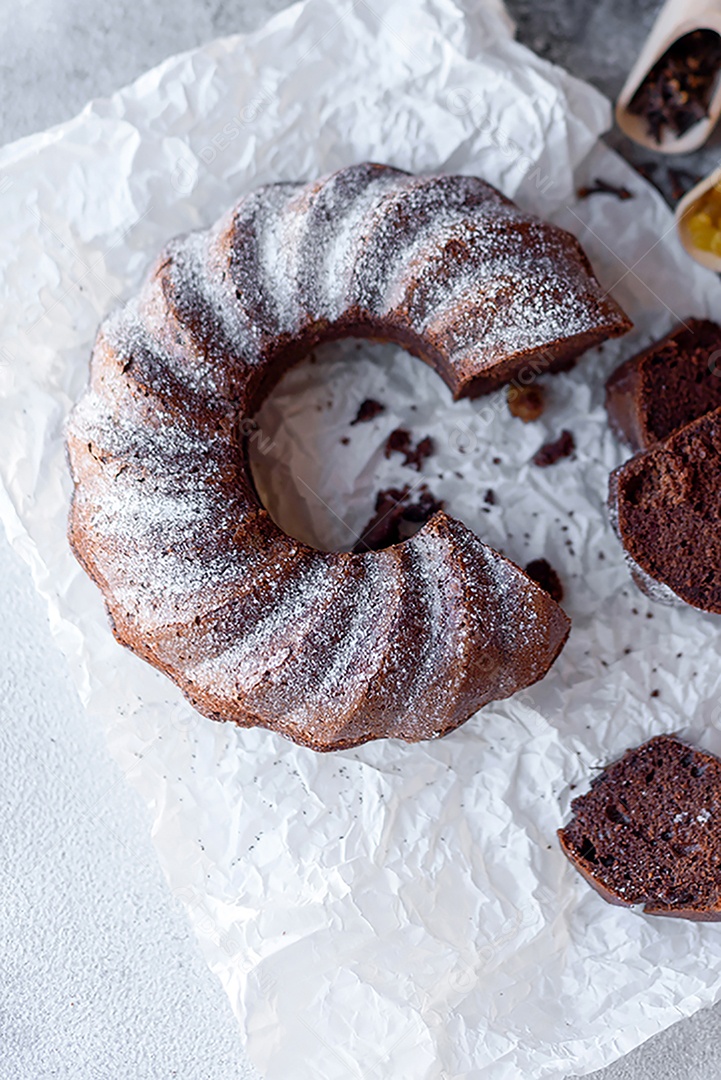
[665,508]
[674,381]
[649,831]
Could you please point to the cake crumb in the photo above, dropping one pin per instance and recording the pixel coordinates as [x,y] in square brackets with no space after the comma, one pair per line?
[399,442]
[395,518]
[552,452]
[368,410]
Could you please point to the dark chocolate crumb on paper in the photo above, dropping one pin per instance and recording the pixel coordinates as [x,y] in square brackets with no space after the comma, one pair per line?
[396,518]
[397,442]
[368,410]
[552,452]
[400,442]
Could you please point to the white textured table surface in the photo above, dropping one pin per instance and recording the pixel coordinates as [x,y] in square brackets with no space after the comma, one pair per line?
[99,974]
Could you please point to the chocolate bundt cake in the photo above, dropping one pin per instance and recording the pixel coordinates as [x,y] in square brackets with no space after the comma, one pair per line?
[331,649]
[666,386]
[649,831]
[665,508]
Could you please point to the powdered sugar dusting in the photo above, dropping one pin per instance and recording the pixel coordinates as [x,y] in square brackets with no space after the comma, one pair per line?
[360,642]
[447,256]
[247,659]
[441,666]
[342,211]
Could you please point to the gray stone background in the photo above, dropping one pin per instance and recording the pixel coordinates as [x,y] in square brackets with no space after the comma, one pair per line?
[99,974]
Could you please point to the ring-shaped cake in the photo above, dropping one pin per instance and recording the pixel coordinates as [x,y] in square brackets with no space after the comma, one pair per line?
[329,648]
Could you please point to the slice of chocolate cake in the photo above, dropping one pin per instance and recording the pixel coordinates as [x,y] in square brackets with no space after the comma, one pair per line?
[666,510]
[649,831]
[667,386]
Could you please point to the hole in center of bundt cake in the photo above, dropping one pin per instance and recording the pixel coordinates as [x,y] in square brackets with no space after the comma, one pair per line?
[344,449]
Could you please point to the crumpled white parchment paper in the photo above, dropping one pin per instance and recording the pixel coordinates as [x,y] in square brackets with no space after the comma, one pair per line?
[393,910]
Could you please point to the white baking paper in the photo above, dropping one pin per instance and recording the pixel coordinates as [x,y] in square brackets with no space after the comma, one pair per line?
[395,910]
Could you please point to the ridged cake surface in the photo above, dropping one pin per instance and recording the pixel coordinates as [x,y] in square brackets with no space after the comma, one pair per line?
[329,648]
